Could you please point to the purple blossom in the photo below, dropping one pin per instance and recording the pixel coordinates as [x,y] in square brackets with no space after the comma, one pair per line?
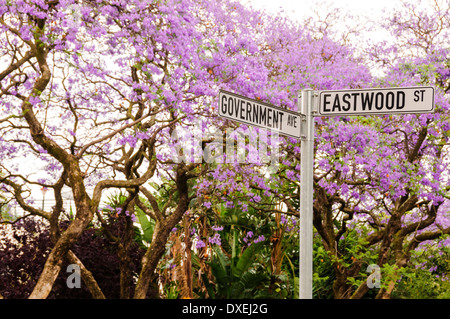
[257,198]
[34,100]
[290,174]
[215,239]
[200,244]
[142,135]
[131,140]
[259,239]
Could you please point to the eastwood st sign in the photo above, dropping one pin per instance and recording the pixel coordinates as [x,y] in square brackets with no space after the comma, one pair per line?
[376,101]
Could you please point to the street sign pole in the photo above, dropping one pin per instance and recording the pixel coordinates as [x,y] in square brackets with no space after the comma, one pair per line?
[329,103]
[306,195]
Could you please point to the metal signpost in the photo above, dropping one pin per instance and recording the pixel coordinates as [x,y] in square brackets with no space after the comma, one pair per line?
[306,194]
[398,100]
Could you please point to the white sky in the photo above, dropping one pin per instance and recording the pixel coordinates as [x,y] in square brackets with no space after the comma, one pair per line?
[362,12]
[301,8]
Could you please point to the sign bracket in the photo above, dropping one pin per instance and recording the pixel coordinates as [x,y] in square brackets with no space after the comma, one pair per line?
[303,134]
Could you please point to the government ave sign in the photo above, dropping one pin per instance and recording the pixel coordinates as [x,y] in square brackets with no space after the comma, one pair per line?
[242,109]
[376,101]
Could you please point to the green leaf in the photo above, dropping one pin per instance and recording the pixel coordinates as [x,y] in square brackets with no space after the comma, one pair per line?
[235,243]
[246,260]
[237,290]
[296,288]
[252,278]
[222,280]
[208,286]
[148,225]
[224,261]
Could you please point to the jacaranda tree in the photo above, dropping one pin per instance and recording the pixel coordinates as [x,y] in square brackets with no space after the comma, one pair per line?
[98,94]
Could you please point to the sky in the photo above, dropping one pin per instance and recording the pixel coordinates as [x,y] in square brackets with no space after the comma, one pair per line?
[301,8]
[362,11]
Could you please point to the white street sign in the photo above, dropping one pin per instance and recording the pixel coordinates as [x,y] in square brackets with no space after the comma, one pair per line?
[331,103]
[249,111]
[377,101]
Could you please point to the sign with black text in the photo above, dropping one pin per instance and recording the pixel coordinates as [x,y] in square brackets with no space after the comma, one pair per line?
[377,101]
[249,111]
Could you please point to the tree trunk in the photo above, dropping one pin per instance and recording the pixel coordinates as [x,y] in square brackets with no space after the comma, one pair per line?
[87,277]
[53,264]
[360,292]
[161,235]
[124,257]
[340,287]
[150,261]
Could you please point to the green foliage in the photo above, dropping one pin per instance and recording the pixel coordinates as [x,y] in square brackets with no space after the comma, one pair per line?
[428,277]
[5,213]
[147,225]
[238,277]
[240,267]
[171,291]
[422,284]
[323,276]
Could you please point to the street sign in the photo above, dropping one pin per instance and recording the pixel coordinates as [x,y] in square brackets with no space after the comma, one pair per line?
[331,103]
[377,101]
[249,111]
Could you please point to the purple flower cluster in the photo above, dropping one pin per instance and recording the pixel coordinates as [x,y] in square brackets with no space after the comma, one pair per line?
[130,140]
[215,239]
[250,235]
[286,222]
[259,239]
[200,243]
